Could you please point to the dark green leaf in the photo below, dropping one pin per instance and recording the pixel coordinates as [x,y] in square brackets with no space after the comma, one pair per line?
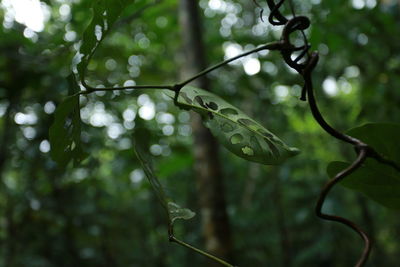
[378,181]
[105,13]
[146,162]
[234,129]
[65,132]
[173,210]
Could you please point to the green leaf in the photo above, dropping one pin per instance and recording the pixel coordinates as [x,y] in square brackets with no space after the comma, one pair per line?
[172,210]
[65,132]
[378,181]
[146,162]
[105,14]
[176,212]
[236,131]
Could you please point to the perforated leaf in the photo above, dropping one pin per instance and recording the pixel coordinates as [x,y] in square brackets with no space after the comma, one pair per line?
[234,129]
[65,132]
[105,13]
[378,181]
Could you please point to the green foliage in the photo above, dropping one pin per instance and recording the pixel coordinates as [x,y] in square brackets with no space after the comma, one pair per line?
[235,130]
[105,14]
[65,132]
[172,210]
[101,214]
[378,181]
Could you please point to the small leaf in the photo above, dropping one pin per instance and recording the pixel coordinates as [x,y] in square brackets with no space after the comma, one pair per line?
[65,132]
[145,160]
[236,131]
[176,212]
[378,181]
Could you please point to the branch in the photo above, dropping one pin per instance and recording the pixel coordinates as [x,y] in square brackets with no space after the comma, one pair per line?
[177,87]
[362,156]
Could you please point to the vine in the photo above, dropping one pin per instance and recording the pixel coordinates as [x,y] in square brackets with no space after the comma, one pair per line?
[300,58]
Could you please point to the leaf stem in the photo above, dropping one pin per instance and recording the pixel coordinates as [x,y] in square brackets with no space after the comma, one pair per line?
[199,251]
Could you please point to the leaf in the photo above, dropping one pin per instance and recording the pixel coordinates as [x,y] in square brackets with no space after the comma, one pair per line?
[65,132]
[176,212]
[236,131]
[145,161]
[105,14]
[378,181]
[172,210]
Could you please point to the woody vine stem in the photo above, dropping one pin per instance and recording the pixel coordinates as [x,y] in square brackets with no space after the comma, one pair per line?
[304,62]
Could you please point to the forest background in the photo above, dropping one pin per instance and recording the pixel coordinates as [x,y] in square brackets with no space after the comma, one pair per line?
[103,212]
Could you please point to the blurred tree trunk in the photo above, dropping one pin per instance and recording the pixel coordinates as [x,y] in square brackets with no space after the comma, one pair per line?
[210,189]
[13,87]
[285,242]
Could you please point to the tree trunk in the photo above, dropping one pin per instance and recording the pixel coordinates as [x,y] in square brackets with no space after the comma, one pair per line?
[209,181]
[285,243]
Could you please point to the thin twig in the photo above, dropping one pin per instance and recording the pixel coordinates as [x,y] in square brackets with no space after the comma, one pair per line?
[178,86]
[269,46]
[172,238]
[212,257]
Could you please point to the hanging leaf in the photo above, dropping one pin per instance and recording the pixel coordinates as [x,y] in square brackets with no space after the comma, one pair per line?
[145,160]
[105,13]
[65,132]
[378,181]
[172,210]
[234,129]
[176,212]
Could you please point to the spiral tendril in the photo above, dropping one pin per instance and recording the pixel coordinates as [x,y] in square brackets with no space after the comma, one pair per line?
[304,63]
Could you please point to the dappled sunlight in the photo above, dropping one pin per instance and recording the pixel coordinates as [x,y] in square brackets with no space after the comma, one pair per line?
[330,86]
[251,64]
[281,92]
[32,13]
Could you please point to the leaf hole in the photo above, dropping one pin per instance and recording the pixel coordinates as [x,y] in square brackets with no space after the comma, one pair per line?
[273,148]
[236,139]
[226,127]
[228,111]
[248,151]
[212,105]
[265,133]
[184,96]
[199,100]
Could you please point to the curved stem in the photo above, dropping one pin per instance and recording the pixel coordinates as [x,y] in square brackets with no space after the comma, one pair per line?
[315,110]
[327,188]
[269,46]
